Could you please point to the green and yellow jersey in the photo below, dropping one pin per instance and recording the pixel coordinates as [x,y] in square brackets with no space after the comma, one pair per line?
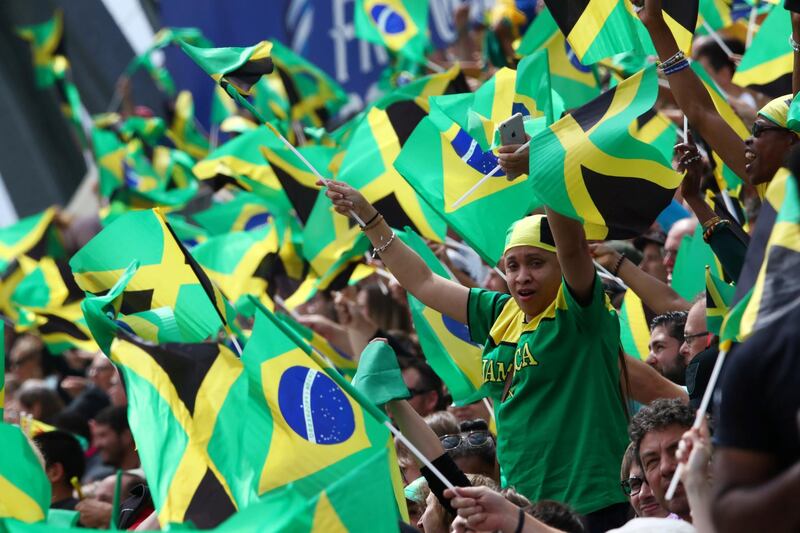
[562,426]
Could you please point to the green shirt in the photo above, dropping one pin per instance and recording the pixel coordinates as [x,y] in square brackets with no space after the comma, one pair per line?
[561,431]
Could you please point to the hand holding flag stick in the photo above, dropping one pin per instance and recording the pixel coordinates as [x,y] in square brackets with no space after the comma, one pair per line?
[491,174]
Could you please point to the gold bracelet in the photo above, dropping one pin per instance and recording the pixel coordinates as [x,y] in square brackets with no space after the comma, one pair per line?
[710,222]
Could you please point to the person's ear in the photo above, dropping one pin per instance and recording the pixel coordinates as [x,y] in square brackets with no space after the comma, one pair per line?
[55,472]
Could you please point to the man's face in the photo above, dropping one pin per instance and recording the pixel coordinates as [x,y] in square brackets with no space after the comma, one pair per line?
[665,355]
[657,454]
[533,276]
[101,372]
[109,443]
[653,261]
[423,401]
[695,333]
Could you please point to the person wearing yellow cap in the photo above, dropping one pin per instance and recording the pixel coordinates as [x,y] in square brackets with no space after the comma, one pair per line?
[550,356]
[755,160]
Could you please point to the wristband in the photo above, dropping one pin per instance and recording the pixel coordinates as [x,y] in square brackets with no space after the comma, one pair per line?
[374,221]
[618,265]
[677,67]
[520,521]
[371,220]
[679,56]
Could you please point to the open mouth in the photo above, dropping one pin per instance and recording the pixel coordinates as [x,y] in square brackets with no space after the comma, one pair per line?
[526,293]
[749,156]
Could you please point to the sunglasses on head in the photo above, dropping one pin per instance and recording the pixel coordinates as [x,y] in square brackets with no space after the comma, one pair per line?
[473,439]
[760,127]
[632,486]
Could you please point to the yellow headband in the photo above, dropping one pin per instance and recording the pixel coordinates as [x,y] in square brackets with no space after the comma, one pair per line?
[530,231]
[777,111]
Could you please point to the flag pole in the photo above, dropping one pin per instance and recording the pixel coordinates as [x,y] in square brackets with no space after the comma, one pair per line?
[698,419]
[751,24]
[424,460]
[475,187]
[717,39]
[685,129]
[306,162]
[609,275]
[434,67]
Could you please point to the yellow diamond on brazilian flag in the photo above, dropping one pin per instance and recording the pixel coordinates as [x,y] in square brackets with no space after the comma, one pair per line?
[399,25]
[317,428]
[589,167]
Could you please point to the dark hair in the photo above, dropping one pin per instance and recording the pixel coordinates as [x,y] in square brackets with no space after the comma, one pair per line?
[61,447]
[487,454]
[428,380]
[73,422]
[442,423]
[384,310]
[673,322]
[558,515]
[32,393]
[115,417]
[658,415]
[716,56]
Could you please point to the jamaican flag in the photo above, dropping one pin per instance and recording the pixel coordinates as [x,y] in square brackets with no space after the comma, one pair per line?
[688,273]
[715,13]
[718,298]
[149,130]
[245,212]
[46,45]
[575,82]
[185,410]
[239,68]
[399,25]
[681,18]
[315,427]
[189,234]
[239,163]
[344,364]
[634,326]
[767,288]
[311,93]
[589,167]
[183,131]
[455,162]
[23,482]
[445,342]
[34,236]
[767,65]
[168,287]
[655,129]
[368,167]
[525,90]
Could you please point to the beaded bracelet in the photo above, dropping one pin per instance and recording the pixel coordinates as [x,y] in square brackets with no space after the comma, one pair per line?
[621,259]
[677,67]
[382,248]
[711,230]
[710,222]
[794,44]
[679,56]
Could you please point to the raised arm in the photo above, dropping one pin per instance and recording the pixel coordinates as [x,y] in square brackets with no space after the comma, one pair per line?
[654,293]
[415,429]
[796,37]
[691,95]
[573,255]
[412,273]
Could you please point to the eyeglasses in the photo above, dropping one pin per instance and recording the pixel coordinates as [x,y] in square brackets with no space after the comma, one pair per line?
[632,486]
[689,338]
[759,128]
[417,392]
[473,439]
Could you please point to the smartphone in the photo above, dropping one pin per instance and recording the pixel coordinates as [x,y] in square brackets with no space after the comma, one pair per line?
[512,130]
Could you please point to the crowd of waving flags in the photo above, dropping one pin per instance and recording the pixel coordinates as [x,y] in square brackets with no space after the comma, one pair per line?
[237,409]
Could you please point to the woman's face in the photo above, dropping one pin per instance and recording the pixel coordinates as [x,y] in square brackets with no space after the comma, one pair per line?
[533,276]
[766,152]
[644,503]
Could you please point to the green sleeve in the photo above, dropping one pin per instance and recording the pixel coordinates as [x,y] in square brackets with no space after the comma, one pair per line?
[595,315]
[730,249]
[483,308]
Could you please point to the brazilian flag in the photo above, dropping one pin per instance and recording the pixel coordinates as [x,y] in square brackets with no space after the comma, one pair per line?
[726,178]
[344,363]
[451,81]
[399,25]
[589,167]
[168,287]
[525,90]
[311,93]
[767,64]
[368,167]
[445,342]
[46,45]
[634,326]
[239,163]
[315,427]
[23,482]
[185,405]
[575,82]
[719,296]
[454,163]
[183,131]
[767,288]
[245,212]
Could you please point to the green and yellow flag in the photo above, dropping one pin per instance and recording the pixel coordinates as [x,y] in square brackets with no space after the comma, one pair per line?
[694,255]
[575,82]
[239,68]
[343,362]
[719,296]
[399,25]
[767,288]
[445,342]
[168,281]
[183,131]
[46,43]
[317,428]
[589,167]
[634,326]
[245,212]
[185,406]
[715,13]
[24,485]
[767,65]
[34,236]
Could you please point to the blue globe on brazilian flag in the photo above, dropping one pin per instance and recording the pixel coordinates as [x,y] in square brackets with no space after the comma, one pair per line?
[399,25]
